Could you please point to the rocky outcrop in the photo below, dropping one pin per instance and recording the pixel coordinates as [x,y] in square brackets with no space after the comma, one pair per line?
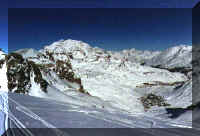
[153,100]
[70,65]
[64,71]
[19,73]
[21,67]
[38,75]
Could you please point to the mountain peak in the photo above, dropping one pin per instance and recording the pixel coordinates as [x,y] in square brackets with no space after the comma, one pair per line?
[27,52]
[126,81]
[69,42]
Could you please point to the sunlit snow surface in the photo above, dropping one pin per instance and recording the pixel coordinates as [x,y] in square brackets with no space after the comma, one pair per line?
[3,111]
[115,87]
[31,112]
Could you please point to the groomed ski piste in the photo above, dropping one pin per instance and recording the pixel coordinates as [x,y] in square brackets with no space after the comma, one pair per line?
[70,84]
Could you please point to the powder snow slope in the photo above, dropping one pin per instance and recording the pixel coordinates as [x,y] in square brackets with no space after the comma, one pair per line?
[27,52]
[109,77]
[3,70]
[32,112]
[179,56]
[135,55]
[75,73]
[2,55]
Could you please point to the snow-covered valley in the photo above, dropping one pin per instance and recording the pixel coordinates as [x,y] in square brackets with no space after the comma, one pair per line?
[70,81]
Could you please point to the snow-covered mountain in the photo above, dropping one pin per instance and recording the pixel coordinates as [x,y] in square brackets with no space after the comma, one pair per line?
[127,81]
[135,55]
[3,70]
[2,55]
[174,57]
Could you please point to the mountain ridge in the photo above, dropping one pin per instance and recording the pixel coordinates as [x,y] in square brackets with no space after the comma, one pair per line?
[127,83]
[75,65]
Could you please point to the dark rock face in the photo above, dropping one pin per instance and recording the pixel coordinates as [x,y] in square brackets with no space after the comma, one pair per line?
[38,75]
[194,106]
[50,55]
[21,70]
[64,71]
[153,100]
[19,73]
[17,70]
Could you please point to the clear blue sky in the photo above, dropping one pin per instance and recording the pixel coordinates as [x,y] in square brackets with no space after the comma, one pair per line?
[112,29]
[79,4]
[4,29]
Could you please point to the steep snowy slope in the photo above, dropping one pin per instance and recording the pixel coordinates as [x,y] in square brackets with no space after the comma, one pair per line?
[3,70]
[175,57]
[3,79]
[22,75]
[135,55]
[113,79]
[75,73]
[106,74]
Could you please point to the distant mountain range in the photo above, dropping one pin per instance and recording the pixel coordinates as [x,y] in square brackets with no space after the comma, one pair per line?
[128,81]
